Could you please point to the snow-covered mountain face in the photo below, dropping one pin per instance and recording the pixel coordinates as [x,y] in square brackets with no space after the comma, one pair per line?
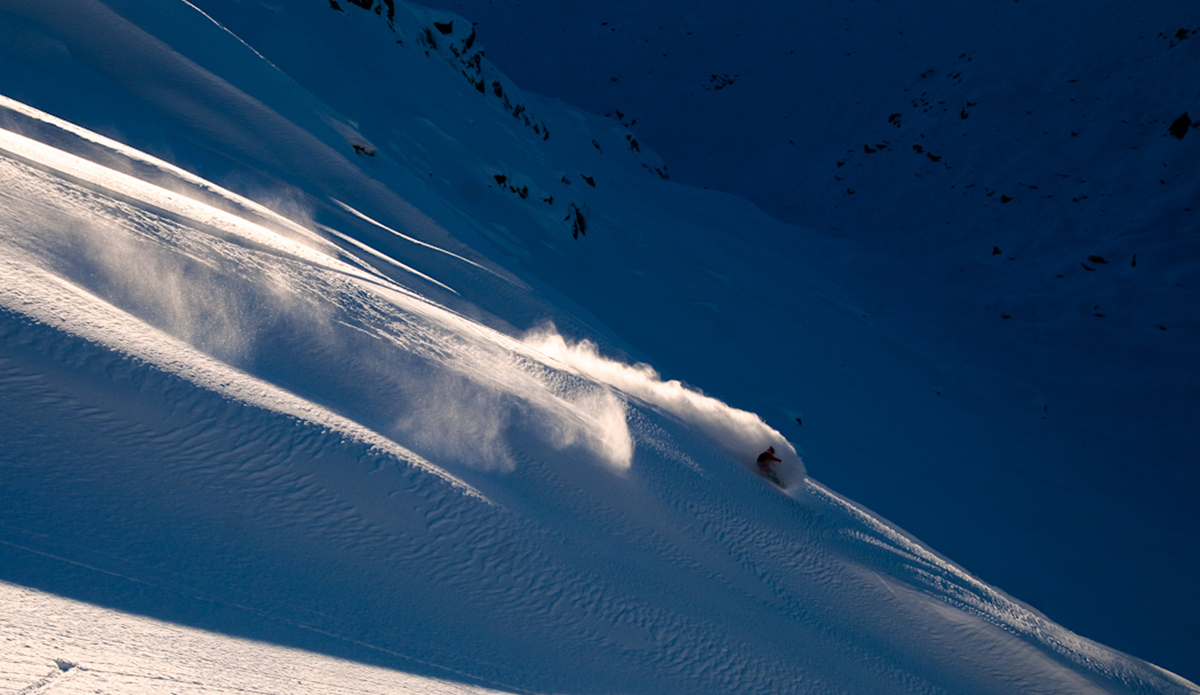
[1010,190]
[317,330]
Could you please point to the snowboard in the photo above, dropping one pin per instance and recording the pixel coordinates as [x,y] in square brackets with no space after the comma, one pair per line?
[772,476]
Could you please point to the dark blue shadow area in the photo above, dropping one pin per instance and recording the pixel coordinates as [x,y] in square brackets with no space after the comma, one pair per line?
[71,580]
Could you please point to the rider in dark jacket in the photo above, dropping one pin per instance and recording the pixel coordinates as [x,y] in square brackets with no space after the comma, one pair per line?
[765,459]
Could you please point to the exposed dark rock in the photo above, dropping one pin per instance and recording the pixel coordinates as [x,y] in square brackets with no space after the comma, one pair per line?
[1180,127]
[718,82]
[578,222]
[447,28]
[1098,259]
[378,5]
[661,171]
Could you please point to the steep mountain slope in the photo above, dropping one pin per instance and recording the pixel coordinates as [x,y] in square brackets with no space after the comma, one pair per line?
[1007,189]
[344,423]
[522,550]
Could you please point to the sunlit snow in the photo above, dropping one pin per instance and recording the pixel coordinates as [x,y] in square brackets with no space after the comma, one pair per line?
[329,363]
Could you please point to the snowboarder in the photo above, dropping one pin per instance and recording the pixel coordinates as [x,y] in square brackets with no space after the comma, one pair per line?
[765,459]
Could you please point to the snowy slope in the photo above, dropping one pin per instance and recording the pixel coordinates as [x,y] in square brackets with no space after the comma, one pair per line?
[965,163]
[148,475]
[130,654]
[347,422]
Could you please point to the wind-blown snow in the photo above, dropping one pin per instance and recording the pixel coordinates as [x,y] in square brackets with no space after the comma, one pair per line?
[741,434]
[468,406]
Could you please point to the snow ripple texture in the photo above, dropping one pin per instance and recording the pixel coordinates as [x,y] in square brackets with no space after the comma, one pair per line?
[220,426]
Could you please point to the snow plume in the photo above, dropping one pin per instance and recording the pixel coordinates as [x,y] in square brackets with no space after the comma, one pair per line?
[152,265]
[743,434]
[263,300]
[486,410]
[476,397]
[571,414]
